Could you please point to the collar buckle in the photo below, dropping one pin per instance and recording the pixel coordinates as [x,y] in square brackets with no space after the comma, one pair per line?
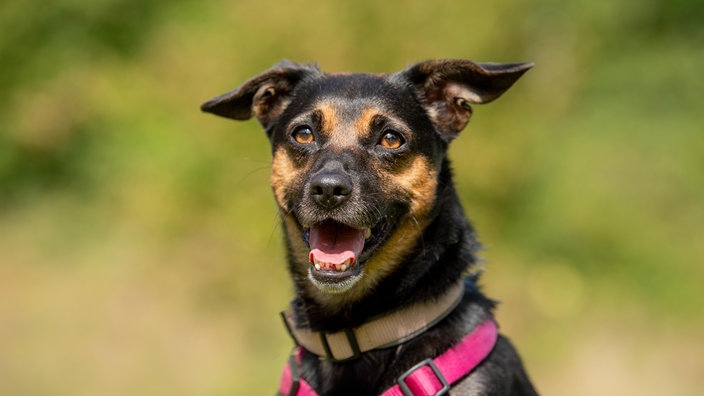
[351,340]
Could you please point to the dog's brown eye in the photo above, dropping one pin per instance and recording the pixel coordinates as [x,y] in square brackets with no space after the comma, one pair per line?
[303,135]
[392,140]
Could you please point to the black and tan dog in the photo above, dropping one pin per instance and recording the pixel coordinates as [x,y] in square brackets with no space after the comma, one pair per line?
[379,248]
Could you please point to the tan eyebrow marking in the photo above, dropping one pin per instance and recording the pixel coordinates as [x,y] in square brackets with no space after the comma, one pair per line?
[328,118]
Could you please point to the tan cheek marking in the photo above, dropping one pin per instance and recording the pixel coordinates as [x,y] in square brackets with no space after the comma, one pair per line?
[298,247]
[418,181]
[283,174]
[421,180]
[394,250]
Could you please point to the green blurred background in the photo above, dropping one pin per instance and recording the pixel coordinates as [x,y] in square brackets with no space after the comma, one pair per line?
[140,252]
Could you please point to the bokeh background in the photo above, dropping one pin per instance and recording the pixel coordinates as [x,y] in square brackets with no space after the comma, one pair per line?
[140,252]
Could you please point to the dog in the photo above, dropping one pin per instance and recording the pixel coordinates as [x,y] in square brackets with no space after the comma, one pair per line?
[378,246]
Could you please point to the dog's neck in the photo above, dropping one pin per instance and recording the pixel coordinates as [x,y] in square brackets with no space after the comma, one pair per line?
[392,329]
[441,256]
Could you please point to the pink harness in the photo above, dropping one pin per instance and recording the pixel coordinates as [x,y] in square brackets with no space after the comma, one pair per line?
[427,378]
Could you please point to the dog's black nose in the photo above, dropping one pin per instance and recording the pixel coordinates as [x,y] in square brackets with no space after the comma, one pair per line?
[330,188]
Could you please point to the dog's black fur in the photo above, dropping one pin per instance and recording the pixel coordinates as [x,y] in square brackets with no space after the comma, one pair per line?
[335,128]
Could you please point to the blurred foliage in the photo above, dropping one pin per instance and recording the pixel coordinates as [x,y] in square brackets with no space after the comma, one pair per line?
[139,246]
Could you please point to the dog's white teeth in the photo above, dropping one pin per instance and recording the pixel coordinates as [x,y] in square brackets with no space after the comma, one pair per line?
[318,264]
[322,265]
[367,233]
[346,264]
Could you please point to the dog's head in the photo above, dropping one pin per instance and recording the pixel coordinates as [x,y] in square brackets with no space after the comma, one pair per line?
[356,158]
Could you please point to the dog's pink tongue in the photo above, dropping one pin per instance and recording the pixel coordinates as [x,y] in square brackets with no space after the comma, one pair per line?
[335,243]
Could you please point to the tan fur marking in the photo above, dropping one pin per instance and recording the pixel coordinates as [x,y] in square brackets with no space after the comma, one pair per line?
[345,133]
[418,181]
[283,174]
[394,250]
[330,119]
[363,122]
[299,249]
[266,108]
[421,180]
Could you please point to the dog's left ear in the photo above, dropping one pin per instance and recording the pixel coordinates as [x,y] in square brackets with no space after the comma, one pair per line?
[448,87]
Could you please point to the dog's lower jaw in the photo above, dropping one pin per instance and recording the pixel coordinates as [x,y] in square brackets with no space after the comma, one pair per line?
[337,287]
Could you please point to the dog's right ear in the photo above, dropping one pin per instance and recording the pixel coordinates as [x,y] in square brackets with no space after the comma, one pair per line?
[265,96]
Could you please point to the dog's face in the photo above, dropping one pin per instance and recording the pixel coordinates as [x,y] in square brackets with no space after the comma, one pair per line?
[356,159]
[354,175]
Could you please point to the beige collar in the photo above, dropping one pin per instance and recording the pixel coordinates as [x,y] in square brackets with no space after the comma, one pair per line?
[383,332]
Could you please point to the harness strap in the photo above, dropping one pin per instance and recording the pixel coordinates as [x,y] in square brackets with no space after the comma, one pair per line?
[291,382]
[431,377]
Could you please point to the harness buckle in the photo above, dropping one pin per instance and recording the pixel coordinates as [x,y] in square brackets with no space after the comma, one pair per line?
[351,339]
[436,371]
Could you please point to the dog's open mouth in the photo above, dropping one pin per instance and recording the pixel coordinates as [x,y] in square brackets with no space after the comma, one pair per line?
[336,247]
[338,251]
